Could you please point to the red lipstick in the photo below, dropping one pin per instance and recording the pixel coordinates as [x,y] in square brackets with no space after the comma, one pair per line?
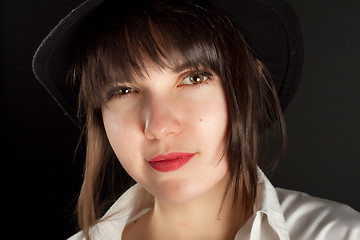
[170,162]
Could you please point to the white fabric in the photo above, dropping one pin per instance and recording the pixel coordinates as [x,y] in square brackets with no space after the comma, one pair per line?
[278,214]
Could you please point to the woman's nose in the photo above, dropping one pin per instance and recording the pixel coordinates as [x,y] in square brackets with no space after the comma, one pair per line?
[161,119]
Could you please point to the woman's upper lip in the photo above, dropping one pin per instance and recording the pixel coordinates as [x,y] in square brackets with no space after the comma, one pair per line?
[170,156]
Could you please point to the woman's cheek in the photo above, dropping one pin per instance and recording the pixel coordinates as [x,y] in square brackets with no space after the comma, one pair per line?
[121,129]
[124,139]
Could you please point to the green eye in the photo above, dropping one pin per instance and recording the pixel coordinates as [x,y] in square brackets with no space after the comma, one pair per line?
[195,78]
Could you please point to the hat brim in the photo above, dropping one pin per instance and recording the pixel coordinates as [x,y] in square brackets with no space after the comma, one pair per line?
[270,28]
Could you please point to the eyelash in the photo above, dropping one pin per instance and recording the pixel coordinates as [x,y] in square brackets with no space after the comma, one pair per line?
[205,74]
[114,92]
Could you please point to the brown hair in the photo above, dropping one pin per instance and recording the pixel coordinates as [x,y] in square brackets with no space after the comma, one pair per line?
[118,43]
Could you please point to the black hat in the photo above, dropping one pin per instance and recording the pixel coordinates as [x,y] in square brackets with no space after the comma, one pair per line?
[270,27]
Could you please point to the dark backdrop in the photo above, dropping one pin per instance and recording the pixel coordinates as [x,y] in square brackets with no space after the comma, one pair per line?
[43,176]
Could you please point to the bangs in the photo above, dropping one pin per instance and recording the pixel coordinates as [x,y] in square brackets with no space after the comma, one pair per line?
[125,42]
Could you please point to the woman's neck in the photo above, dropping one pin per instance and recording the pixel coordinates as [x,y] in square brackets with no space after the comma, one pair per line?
[210,216]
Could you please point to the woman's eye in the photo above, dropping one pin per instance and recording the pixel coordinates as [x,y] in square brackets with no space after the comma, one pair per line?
[123,90]
[119,91]
[195,78]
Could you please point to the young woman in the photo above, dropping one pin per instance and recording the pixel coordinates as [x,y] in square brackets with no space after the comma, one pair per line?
[184,95]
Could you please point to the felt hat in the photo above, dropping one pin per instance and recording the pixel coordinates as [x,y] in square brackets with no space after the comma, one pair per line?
[270,28]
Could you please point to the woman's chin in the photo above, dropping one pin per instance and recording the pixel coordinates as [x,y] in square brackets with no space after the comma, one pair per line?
[176,191]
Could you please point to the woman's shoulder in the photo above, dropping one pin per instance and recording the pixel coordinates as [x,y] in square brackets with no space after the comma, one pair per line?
[309,217]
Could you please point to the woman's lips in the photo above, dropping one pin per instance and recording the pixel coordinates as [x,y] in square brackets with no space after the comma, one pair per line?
[171,161]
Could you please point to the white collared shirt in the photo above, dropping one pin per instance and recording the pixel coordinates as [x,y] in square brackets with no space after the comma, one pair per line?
[278,214]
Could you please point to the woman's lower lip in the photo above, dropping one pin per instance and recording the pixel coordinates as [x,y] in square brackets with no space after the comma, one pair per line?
[176,161]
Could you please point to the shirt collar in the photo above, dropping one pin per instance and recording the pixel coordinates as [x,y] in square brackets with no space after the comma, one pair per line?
[266,222]
[267,209]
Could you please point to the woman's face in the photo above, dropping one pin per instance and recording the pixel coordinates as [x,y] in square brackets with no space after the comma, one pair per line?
[168,131]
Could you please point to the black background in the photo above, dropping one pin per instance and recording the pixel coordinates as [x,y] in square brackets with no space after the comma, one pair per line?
[43,175]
